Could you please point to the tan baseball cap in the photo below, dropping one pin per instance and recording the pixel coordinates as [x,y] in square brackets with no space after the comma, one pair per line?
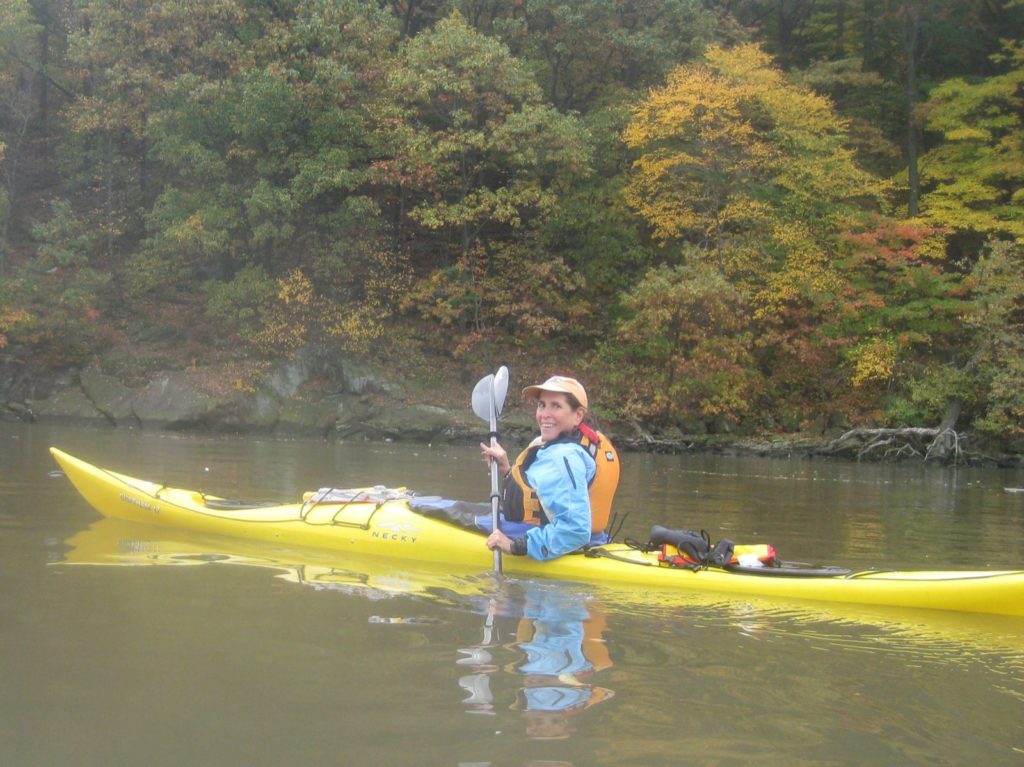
[559,384]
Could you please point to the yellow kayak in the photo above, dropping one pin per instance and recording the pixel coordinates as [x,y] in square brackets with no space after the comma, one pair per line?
[379,523]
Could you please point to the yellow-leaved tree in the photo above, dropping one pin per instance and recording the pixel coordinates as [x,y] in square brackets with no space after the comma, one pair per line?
[750,173]
[751,167]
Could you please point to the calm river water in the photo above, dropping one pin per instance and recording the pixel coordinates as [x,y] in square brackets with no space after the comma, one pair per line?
[125,645]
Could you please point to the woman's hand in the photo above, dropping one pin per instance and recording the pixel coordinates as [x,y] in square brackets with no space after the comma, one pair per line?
[497,454]
[498,540]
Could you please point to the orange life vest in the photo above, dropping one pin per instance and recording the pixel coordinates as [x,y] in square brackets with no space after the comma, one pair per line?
[520,502]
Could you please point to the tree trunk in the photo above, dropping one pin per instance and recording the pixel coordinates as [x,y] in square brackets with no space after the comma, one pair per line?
[869,45]
[43,80]
[912,33]
[840,50]
[953,410]
[109,204]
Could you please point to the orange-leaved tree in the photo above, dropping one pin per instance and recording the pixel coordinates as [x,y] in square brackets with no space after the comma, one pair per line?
[900,313]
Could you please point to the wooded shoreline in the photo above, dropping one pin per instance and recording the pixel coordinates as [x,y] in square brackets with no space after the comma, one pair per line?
[728,218]
[364,405]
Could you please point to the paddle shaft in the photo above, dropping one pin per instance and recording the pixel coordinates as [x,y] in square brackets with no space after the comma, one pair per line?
[493,422]
[494,504]
[488,399]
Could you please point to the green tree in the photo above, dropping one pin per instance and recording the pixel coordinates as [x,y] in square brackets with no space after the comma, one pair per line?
[265,161]
[126,57]
[974,178]
[584,53]
[53,301]
[589,51]
[997,326]
[899,316]
[477,160]
[18,45]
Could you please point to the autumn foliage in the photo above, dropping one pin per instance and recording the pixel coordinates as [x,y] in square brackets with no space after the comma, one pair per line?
[731,216]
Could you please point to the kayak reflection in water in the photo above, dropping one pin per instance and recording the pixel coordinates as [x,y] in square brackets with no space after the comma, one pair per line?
[556,496]
[560,643]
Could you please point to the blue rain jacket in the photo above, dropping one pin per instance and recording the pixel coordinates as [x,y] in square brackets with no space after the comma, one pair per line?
[561,474]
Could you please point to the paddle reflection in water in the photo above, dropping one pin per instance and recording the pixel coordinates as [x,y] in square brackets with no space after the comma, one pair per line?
[559,644]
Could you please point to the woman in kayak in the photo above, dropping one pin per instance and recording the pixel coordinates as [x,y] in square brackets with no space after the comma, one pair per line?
[558,474]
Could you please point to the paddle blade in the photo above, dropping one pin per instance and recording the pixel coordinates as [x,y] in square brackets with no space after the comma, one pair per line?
[500,389]
[482,397]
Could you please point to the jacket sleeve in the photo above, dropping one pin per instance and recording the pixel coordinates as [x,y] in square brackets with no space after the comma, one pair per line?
[562,481]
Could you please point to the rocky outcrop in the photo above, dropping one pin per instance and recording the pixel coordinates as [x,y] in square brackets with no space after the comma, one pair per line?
[311,394]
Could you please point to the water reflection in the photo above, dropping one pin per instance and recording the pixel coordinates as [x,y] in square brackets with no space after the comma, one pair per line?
[541,644]
[551,615]
[557,646]
[110,541]
[535,663]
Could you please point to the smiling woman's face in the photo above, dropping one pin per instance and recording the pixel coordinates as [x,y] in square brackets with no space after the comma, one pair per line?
[556,414]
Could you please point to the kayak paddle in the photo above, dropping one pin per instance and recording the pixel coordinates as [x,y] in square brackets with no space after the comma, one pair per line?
[488,400]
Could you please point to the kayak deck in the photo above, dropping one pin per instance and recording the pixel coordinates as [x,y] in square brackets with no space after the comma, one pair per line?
[373,524]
